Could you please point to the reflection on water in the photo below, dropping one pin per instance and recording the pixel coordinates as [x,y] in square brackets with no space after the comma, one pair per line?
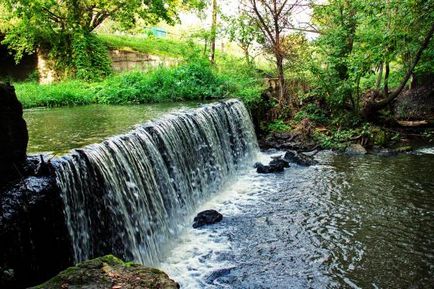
[363,222]
[58,130]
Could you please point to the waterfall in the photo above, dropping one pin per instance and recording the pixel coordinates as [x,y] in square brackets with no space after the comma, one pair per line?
[132,193]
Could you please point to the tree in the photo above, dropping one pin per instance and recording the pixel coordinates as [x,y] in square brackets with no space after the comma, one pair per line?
[372,106]
[367,48]
[337,21]
[273,17]
[64,28]
[243,30]
[213,29]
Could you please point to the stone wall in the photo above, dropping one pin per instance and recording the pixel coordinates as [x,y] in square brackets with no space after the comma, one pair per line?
[125,60]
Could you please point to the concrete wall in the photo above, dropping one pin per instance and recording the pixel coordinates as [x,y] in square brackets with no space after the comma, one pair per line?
[124,60]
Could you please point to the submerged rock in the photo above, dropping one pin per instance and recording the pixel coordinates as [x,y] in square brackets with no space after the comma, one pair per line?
[355,149]
[109,272]
[207,217]
[299,158]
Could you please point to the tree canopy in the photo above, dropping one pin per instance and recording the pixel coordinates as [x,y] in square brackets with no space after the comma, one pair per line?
[64,28]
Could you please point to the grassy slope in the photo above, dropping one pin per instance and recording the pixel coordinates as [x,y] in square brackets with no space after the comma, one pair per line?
[151,45]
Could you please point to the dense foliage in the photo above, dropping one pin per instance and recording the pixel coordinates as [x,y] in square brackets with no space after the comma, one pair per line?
[64,29]
[194,80]
[369,45]
[363,55]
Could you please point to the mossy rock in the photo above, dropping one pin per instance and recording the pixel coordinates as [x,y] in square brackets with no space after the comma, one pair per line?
[379,136]
[403,149]
[109,272]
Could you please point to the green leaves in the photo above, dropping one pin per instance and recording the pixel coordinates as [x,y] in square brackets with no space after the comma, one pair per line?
[90,57]
[63,28]
[359,37]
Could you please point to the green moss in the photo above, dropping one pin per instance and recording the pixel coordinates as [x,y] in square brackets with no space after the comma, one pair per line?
[106,271]
[379,136]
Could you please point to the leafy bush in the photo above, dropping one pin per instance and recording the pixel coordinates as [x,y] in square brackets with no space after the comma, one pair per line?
[90,57]
[278,126]
[191,81]
[312,112]
[195,80]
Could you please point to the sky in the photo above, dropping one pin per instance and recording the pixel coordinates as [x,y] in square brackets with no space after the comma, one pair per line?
[230,7]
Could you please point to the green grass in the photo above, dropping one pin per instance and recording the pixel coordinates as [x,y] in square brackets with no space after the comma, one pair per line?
[72,92]
[149,44]
[194,80]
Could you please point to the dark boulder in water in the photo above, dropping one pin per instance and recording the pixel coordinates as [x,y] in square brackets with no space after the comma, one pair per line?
[13,135]
[299,158]
[207,217]
[279,162]
[109,272]
[277,165]
[34,240]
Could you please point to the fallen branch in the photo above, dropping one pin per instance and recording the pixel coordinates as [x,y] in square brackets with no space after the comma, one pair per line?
[408,123]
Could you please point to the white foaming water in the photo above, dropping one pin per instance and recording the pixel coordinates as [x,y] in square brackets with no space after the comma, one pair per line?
[203,253]
[131,194]
[427,151]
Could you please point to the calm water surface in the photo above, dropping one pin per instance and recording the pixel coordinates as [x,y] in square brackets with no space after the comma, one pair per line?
[58,130]
[349,222]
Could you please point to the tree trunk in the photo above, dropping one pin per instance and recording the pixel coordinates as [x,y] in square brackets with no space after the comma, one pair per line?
[245,49]
[386,78]
[281,76]
[380,75]
[213,30]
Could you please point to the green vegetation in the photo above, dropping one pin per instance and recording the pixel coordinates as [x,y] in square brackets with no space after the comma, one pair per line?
[193,80]
[341,82]
[64,30]
[72,92]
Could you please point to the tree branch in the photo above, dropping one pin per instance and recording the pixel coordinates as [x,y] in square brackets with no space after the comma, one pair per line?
[404,81]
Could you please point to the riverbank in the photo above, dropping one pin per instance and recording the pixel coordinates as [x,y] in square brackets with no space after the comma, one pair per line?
[403,140]
[196,79]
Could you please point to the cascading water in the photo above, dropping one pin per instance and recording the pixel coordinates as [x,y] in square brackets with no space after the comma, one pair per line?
[130,194]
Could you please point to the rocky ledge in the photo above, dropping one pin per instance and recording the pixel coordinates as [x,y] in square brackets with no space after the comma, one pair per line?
[109,272]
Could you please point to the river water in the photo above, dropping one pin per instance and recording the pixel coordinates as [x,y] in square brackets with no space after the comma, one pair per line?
[58,130]
[349,222]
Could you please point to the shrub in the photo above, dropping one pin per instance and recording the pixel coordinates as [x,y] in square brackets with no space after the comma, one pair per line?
[312,112]
[278,126]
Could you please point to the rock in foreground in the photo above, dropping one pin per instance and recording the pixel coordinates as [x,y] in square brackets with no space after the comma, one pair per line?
[207,217]
[109,272]
[13,135]
[355,150]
